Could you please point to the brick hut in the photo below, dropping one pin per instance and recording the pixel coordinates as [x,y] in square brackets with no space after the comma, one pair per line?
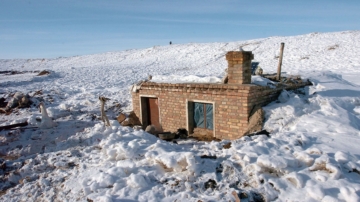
[223,111]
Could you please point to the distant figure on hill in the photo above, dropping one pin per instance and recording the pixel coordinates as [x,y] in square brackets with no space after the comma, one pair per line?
[170,43]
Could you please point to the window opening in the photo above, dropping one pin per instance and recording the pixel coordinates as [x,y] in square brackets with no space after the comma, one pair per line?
[203,115]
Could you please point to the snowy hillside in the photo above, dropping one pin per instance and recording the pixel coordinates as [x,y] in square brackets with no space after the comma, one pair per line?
[312,153]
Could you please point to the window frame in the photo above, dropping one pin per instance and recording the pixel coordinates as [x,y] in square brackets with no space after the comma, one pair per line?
[189,114]
[204,115]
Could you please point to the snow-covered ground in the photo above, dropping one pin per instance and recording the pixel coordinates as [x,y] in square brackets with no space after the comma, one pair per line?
[312,153]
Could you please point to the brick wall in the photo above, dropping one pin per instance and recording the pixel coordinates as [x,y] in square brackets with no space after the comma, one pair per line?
[263,95]
[230,105]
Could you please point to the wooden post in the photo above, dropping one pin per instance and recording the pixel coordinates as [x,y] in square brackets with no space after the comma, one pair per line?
[103,114]
[278,76]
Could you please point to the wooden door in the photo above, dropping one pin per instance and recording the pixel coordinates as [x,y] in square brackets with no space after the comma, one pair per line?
[154,118]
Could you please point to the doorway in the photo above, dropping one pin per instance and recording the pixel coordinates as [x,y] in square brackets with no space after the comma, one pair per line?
[150,112]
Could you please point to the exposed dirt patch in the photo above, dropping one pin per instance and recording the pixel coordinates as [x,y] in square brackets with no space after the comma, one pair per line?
[333,47]
[2,102]
[3,192]
[206,139]
[43,72]
[9,157]
[227,146]
[202,134]
[208,157]
[12,72]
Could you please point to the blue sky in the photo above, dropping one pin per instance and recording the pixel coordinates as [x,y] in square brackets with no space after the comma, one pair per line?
[61,28]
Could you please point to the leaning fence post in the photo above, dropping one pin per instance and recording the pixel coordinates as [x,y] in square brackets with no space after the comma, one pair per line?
[103,114]
[278,76]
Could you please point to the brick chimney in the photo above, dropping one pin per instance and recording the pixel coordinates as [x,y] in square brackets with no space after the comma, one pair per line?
[239,67]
